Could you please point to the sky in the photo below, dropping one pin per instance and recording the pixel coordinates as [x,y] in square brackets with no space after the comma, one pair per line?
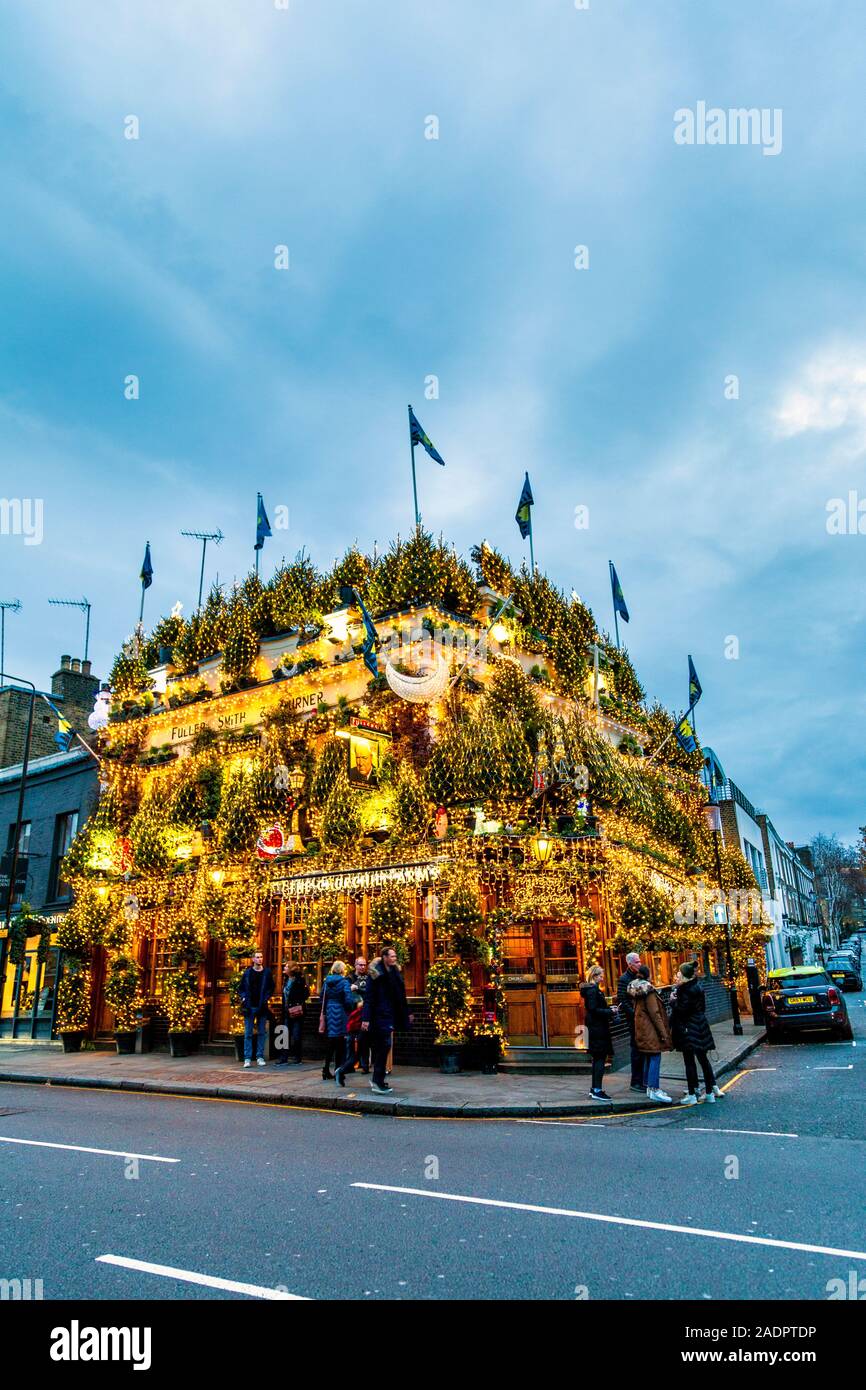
[698,384]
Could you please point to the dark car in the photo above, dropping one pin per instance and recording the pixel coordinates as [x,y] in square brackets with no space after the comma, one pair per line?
[843,968]
[802,998]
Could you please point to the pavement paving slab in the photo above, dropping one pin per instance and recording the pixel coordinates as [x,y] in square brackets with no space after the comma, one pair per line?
[418,1091]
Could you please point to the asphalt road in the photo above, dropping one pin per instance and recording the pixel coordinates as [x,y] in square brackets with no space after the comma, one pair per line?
[679,1204]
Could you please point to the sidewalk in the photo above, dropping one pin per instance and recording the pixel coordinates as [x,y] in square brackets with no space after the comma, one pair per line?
[417,1090]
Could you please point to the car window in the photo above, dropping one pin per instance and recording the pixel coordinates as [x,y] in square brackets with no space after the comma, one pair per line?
[800,982]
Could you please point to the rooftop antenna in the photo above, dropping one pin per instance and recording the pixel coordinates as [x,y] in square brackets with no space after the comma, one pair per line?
[84,605]
[204,537]
[13,605]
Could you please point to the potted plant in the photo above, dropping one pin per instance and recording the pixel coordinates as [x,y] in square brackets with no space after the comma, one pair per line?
[449,991]
[73,1003]
[123,997]
[182,1005]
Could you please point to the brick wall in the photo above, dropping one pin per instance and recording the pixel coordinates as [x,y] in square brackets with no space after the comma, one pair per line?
[413,1049]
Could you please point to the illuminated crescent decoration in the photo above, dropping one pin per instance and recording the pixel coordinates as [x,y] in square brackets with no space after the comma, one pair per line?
[418,690]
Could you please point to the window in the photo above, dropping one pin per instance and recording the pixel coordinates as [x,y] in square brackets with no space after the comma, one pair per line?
[23,861]
[65,830]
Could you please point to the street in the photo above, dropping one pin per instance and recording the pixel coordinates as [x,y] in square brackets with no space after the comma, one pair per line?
[756,1197]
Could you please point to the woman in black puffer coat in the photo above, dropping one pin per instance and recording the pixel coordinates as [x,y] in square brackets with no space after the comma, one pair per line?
[598,1015]
[691,1033]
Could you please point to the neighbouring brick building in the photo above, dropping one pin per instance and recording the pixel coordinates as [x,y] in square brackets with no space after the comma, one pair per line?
[61,791]
[73,690]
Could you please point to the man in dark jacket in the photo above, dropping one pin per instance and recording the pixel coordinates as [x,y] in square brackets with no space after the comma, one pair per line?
[626,1011]
[256,988]
[359,980]
[385,1010]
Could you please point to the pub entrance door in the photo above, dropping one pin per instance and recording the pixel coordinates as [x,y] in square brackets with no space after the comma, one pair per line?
[542,966]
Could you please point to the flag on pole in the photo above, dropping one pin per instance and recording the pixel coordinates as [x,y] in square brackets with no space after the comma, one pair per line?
[695,690]
[618,597]
[371,641]
[685,734]
[522,516]
[417,436]
[65,733]
[263,526]
[146,575]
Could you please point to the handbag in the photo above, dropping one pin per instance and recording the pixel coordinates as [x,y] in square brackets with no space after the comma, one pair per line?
[322,1024]
[295,1010]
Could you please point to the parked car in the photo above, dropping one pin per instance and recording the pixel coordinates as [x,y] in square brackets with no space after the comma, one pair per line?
[845,970]
[802,998]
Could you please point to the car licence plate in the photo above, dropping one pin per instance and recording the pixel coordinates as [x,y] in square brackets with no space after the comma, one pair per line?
[838,975]
[802,999]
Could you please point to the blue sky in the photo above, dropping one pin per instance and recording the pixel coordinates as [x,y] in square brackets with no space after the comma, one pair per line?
[409,257]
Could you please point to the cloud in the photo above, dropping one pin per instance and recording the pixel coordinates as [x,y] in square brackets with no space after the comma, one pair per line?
[829,395]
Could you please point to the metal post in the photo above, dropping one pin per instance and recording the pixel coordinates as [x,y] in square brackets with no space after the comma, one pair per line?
[415,491]
[201,574]
[729,960]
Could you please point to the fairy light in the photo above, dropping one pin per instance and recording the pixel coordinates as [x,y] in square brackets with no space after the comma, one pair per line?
[375,841]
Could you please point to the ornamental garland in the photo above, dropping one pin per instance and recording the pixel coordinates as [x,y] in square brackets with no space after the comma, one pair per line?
[73,996]
[123,993]
[449,993]
[326,931]
[392,921]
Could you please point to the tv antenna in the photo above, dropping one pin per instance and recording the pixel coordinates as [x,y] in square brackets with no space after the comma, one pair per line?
[12,605]
[84,605]
[204,537]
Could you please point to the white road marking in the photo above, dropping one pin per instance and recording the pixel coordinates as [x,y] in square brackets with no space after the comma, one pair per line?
[761,1068]
[850,1067]
[210,1281]
[616,1220]
[769,1133]
[584,1124]
[82,1149]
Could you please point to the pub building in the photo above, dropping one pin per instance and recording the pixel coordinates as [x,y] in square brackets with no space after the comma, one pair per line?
[441,774]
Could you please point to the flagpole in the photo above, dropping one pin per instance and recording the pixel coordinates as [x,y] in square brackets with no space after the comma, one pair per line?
[613,599]
[143,588]
[414,483]
[531,550]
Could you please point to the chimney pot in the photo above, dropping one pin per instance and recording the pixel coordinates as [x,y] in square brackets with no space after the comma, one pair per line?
[64,663]
[75,664]
[85,668]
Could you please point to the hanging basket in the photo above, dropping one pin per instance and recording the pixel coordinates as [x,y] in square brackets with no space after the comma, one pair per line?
[428,685]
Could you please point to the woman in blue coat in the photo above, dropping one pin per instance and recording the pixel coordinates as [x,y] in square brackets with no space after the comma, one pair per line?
[338,1001]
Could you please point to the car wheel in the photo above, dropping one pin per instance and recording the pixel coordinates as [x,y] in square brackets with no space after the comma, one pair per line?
[845,1033]
[774,1035]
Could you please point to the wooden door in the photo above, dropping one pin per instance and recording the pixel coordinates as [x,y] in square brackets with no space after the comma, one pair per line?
[520,979]
[561,972]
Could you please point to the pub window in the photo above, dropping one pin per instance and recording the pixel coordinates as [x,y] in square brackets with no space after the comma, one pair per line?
[289,942]
[21,871]
[65,830]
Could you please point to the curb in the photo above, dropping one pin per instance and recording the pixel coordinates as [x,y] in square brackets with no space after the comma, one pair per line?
[393,1107]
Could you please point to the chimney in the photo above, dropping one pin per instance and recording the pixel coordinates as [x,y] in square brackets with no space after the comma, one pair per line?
[76,686]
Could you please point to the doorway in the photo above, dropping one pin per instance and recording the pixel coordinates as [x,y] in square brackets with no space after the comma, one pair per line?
[542,966]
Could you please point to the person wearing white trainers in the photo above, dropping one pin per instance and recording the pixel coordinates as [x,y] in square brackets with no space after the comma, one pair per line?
[255,989]
[691,1033]
[651,1031]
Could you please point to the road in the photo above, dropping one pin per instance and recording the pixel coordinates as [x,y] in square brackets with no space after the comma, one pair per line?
[286,1203]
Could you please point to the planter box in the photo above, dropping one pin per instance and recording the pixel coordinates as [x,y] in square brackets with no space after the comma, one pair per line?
[72,1041]
[449,1058]
[183,1044]
[125,1042]
[239,1046]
